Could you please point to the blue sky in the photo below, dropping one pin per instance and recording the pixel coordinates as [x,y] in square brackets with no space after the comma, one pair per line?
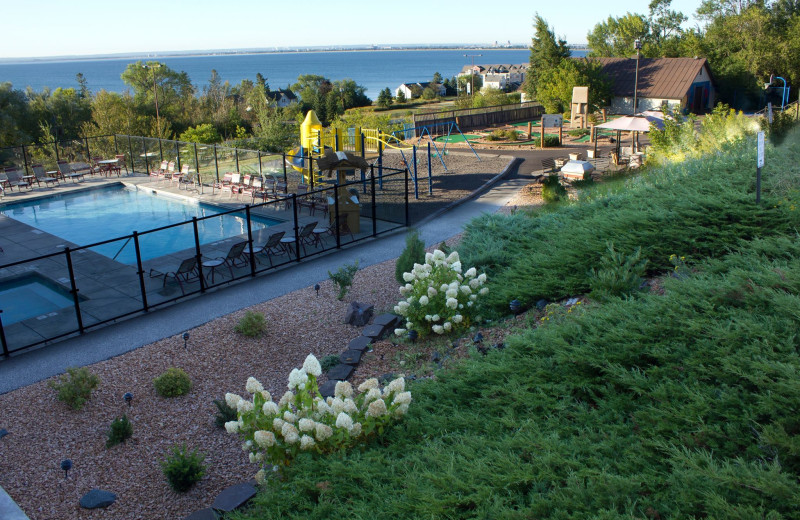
[56,27]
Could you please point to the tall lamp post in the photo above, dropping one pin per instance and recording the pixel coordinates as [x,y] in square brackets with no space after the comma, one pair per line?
[155,93]
[637,44]
[472,72]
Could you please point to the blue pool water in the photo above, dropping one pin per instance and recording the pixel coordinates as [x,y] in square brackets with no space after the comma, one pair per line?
[30,296]
[92,216]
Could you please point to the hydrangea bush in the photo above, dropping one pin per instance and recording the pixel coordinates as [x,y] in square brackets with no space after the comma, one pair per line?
[438,298]
[275,433]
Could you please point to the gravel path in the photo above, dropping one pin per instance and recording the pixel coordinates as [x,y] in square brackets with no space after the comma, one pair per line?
[43,431]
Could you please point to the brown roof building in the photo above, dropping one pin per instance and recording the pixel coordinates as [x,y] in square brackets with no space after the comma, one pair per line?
[683,82]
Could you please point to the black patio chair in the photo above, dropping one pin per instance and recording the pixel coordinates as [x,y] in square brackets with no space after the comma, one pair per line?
[235,254]
[186,273]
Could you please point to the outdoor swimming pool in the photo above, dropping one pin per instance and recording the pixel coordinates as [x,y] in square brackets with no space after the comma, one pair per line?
[32,295]
[95,215]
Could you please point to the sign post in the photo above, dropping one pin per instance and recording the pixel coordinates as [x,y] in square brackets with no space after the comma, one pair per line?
[759,165]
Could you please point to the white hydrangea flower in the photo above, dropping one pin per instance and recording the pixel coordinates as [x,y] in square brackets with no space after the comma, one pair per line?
[482,277]
[260,455]
[432,292]
[452,257]
[376,408]
[403,306]
[460,305]
[277,424]
[368,384]
[473,297]
[438,329]
[456,266]
[447,326]
[444,287]
[356,431]
[374,393]
[451,293]
[428,268]
[428,258]
[311,366]
[323,408]
[408,277]
[423,300]
[232,426]
[306,425]
[289,417]
[428,317]
[247,446]
[337,405]
[270,408]
[343,389]
[409,287]
[287,398]
[452,303]
[411,299]
[402,398]
[459,277]
[435,317]
[471,273]
[401,410]
[322,432]
[264,438]
[398,310]
[438,255]
[290,433]
[404,291]
[469,304]
[484,290]
[297,378]
[232,399]
[244,406]
[253,385]
[266,395]
[408,324]
[306,442]
[261,477]
[458,318]
[454,285]
[399,332]
[397,385]
[474,283]
[344,421]
[350,406]
[251,457]
[465,289]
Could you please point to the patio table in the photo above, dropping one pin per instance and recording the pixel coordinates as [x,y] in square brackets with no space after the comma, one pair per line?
[107,165]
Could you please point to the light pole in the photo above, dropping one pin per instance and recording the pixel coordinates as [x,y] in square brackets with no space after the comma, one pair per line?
[155,93]
[472,72]
[637,44]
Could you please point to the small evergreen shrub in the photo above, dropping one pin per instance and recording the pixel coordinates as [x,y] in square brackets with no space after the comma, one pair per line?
[173,383]
[252,324]
[328,362]
[502,135]
[121,429]
[414,253]
[552,190]
[75,387]
[551,141]
[343,278]
[224,413]
[183,468]
[618,274]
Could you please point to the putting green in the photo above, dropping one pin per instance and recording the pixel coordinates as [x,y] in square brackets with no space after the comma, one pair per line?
[456,138]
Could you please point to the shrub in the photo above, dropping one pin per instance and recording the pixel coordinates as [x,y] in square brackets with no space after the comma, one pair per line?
[343,278]
[578,132]
[551,141]
[183,468]
[252,324]
[75,387]
[439,298]
[328,362]
[414,253]
[552,190]
[173,383]
[224,413]
[302,421]
[500,135]
[120,431]
[618,274]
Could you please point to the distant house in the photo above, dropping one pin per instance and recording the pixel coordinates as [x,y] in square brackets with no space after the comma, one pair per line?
[500,76]
[683,82]
[412,90]
[282,98]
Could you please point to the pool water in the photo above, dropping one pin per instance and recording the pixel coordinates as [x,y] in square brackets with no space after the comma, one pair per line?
[29,296]
[95,215]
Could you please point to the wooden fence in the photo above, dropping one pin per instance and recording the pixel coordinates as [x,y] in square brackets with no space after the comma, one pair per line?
[481,117]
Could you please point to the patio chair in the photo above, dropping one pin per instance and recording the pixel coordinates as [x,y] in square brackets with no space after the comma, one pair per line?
[226,180]
[14,179]
[184,178]
[281,192]
[160,171]
[186,273]
[267,190]
[170,173]
[235,254]
[250,188]
[41,177]
[67,173]
[233,185]
[120,165]
[304,200]
[305,236]
[271,247]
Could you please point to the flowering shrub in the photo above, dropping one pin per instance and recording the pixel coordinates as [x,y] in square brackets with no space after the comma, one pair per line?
[275,433]
[438,298]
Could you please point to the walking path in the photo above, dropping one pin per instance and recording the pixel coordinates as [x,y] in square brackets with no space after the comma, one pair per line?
[128,335]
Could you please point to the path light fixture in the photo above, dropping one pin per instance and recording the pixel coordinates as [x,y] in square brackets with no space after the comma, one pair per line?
[128,397]
[66,465]
[316,288]
[412,335]
[185,341]
[515,306]
[637,44]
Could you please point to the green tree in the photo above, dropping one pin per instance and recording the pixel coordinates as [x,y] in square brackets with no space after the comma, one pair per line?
[547,53]
[203,133]
[384,98]
[63,109]
[437,78]
[16,124]
[555,92]
[401,96]
[176,101]
[273,132]
[615,36]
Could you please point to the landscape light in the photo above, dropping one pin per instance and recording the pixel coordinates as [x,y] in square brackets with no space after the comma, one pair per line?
[66,465]
[316,288]
[185,340]
[128,397]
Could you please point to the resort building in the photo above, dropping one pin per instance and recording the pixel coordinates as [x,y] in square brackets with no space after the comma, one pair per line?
[501,76]
[414,90]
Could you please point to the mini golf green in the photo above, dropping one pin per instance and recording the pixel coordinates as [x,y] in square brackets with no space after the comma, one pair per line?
[456,138]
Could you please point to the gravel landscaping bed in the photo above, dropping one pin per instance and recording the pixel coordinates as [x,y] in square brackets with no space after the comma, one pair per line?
[43,431]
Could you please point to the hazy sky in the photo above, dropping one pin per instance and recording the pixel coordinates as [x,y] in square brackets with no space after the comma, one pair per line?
[56,27]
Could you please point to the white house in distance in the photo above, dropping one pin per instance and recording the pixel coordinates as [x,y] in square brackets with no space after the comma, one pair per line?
[408,89]
[501,76]
[282,98]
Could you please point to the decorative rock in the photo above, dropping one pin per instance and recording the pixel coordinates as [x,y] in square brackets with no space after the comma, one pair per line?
[97,498]
[351,357]
[387,321]
[233,497]
[203,514]
[386,378]
[327,388]
[361,344]
[3,433]
[373,331]
[340,372]
[358,314]
[541,304]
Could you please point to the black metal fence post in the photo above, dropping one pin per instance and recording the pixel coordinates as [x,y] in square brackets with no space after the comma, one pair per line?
[74,289]
[130,149]
[197,164]
[146,156]
[160,150]
[374,209]
[284,169]
[198,255]
[140,270]
[406,197]
[336,210]
[216,164]
[260,167]
[430,171]
[6,352]
[250,240]
[178,154]
[236,158]
[25,160]
[296,224]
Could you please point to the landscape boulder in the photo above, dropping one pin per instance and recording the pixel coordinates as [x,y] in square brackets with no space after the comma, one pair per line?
[358,314]
[97,498]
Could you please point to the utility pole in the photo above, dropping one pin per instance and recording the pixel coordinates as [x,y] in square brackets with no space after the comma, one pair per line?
[472,72]
[155,93]
[638,46]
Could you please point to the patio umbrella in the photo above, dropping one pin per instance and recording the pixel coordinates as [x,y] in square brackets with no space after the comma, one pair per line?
[635,123]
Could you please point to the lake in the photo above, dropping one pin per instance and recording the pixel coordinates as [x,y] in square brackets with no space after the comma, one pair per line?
[372,69]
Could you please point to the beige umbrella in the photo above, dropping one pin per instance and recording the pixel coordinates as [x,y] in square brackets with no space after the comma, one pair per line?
[635,123]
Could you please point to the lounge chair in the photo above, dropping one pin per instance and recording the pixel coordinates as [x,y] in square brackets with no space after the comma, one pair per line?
[41,177]
[185,177]
[67,172]
[235,254]
[186,273]
[271,247]
[159,172]
[14,179]
[305,236]
[120,165]
[303,199]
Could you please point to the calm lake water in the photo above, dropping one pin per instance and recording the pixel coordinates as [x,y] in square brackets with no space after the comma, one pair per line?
[374,70]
